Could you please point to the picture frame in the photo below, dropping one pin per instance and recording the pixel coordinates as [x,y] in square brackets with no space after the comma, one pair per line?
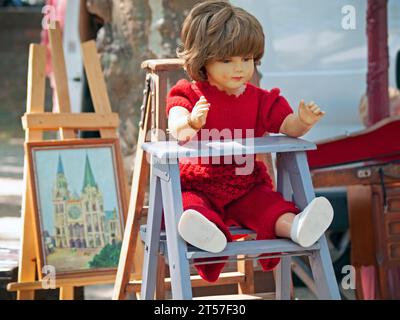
[80,205]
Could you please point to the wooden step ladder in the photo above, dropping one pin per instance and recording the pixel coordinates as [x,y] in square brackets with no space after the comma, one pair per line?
[153,127]
[294,180]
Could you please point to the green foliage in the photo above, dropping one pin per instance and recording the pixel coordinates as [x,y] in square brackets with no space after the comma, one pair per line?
[108,257]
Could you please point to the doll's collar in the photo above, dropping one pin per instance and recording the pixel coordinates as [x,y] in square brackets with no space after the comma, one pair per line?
[211,87]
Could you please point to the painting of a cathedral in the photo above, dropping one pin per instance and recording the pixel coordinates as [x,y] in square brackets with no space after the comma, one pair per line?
[80,220]
[79,207]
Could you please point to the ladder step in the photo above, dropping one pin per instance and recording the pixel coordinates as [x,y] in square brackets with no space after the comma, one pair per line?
[249,247]
[235,231]
[224,279]
[253,247]
[255,296]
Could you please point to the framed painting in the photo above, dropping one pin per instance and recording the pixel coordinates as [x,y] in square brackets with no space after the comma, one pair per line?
[80,205]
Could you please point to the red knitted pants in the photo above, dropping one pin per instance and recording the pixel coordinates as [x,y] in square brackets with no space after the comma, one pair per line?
[259,209]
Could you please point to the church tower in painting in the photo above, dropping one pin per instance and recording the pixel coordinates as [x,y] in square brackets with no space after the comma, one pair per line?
[80,221]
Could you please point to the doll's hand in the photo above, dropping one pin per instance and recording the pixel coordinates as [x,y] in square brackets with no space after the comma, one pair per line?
[310,113]
[199,113]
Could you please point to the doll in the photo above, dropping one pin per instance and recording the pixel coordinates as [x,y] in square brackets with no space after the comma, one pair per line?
[221,44]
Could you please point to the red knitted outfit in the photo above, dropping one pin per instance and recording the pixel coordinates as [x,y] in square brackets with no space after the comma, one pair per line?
[215,190]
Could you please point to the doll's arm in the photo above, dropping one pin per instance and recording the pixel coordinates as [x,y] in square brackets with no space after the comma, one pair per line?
[183,125]
[178,124]
[296,125]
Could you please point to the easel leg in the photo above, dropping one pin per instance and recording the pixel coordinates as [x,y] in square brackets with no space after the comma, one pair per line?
[139,184]
[67,293]
[131,233]
[27,261]
[35,103]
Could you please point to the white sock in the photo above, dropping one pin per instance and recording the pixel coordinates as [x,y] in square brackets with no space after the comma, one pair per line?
[310,224]
[200,232]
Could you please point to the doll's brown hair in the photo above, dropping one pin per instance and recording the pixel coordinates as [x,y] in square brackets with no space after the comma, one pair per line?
[214,30]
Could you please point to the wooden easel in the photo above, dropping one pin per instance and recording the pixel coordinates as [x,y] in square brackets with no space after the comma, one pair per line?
[35,122]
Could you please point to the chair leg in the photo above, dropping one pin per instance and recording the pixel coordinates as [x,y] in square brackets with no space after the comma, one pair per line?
[177,248]
[283,279]
[321,263]
[152,242]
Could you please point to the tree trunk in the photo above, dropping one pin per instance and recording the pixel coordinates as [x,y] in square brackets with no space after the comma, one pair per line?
[123,43]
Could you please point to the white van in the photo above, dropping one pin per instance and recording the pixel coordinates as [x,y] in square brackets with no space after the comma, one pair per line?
[310,55]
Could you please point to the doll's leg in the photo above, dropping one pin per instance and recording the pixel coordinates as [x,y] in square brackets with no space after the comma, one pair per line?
[283,225]
[200,222]
[259,210]
[275,212]
[200,225]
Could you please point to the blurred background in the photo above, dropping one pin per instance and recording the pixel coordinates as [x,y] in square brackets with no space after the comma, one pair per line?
[309,55]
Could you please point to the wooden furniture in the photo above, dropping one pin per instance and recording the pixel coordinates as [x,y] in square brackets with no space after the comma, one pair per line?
[161,73]
[294,180]
[153,127]
[370,169]
[35,123]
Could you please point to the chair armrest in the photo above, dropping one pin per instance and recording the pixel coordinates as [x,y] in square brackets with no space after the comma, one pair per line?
[269,144]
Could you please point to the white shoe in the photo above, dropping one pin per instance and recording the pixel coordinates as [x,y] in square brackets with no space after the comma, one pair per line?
[310,224]
[200,232]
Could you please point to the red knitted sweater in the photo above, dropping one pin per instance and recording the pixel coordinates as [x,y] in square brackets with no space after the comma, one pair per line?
[257,109]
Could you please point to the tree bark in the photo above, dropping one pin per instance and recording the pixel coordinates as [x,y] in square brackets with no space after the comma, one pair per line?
[174,14]
[123,43]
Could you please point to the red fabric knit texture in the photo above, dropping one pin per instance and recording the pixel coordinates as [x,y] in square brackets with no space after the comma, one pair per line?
[252,114]
[221,181]
[255,109]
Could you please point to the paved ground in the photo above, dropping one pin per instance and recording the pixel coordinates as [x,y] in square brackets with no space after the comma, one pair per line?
[11,172]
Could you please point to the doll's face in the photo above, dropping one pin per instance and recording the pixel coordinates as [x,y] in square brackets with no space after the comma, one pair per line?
[230,74]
